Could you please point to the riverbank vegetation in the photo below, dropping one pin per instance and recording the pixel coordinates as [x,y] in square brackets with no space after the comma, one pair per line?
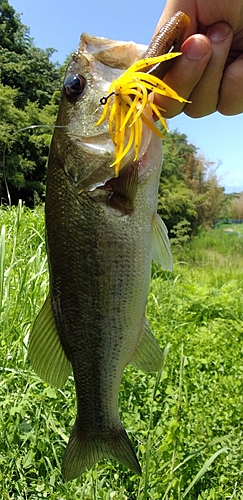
[185,423]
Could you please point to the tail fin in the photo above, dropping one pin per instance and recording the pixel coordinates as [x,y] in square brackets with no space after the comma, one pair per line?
[82,452]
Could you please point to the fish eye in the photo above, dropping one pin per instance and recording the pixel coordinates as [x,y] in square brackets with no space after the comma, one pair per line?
[74,86]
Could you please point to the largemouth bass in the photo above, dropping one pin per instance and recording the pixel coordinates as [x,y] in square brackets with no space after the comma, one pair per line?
[102,231]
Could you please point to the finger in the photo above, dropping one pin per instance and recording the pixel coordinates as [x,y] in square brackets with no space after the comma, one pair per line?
[231,92]
[185,73]
[205,12]
[205,94]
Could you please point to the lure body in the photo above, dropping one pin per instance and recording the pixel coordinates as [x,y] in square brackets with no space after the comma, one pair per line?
[168,39]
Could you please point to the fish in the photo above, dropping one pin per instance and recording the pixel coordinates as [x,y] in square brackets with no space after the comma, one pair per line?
[102,231]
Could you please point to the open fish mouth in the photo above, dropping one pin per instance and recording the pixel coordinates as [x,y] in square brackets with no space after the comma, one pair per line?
[117,192]
[125,106]
[117,142]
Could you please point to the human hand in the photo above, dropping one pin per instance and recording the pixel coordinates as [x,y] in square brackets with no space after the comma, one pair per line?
[210,71]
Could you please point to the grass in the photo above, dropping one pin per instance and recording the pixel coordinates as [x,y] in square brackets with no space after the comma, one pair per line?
[236,228]
[185,422]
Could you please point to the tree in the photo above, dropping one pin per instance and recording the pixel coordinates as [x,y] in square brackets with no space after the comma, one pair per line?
[29,90]
[31,72]
[9,26]
[22,65]
[24,150]
[189,188]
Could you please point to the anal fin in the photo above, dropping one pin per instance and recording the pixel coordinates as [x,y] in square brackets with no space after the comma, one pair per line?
[148,356]
[45,350]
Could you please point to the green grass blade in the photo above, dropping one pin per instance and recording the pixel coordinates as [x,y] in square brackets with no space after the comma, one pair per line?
[203,470]
[197,452]
[156,387]
[2,258]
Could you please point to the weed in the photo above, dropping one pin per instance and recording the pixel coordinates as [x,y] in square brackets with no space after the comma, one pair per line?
[185,422]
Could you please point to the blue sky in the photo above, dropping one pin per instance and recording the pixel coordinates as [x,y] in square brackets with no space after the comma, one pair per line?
[59,24]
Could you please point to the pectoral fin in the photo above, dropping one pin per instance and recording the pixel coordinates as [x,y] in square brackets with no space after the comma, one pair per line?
[45,350]
[148,356]
[161,252]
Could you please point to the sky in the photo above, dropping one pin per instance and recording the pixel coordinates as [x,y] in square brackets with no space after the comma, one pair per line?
[59,24]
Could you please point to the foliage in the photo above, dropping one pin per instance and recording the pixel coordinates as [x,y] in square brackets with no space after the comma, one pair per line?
[181,234]
[189,189]
[22,65]
[24,150]
[185,423]
[236,207]
[9,24]
[29,87]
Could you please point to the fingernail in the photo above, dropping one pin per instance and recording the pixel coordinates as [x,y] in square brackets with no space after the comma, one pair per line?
[218,32]
[196,50]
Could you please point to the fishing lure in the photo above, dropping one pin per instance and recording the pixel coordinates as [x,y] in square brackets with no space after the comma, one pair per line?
[129,103]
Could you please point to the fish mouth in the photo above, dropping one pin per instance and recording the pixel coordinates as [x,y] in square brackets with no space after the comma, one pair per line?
[119,192]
